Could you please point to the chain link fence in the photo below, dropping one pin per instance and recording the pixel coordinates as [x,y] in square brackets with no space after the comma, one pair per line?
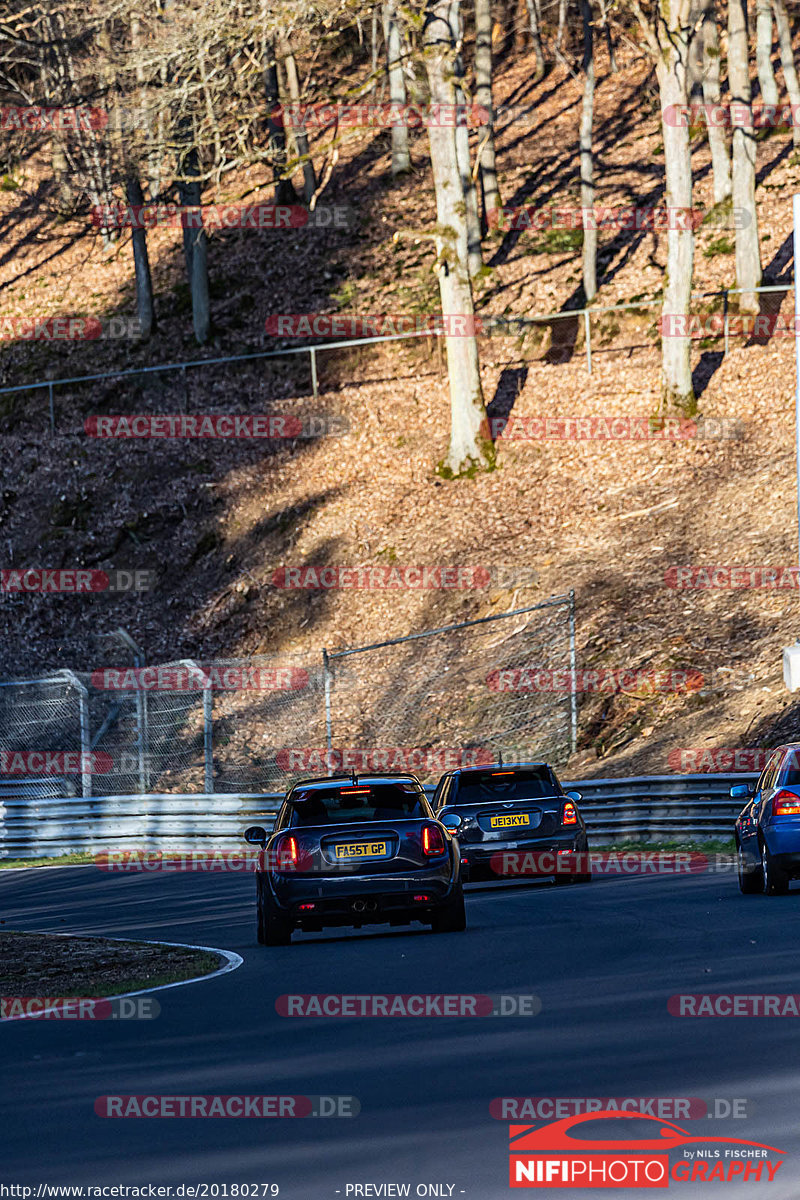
[456,696]
[422,703]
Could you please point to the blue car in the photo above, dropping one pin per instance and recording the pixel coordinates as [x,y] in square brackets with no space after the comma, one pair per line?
[767,830]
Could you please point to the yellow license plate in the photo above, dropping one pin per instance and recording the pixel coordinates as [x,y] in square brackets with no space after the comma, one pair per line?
[360,850]
[507,822]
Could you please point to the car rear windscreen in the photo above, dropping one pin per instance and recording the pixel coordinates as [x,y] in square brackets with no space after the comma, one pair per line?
[359,802]
[486,787]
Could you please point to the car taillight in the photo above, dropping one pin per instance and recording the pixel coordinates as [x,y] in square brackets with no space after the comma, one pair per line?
[432,840]
[569,814]
[286,854]
[785,804]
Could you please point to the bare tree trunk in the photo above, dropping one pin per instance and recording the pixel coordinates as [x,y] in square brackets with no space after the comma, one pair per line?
[696,46]
[669,48]
[474,255]
[748,250]
[787,64]
[562,23]
[587,158]
[195,246]
[469,448]
[293,82]
[612,58]
[720,158]
[276,132]
[536,37]
[401,159]
[374,44]
[766,76]
[483,97]
[141,262]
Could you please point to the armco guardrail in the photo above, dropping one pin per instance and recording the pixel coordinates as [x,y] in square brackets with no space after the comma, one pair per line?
[660,807]
[643,808]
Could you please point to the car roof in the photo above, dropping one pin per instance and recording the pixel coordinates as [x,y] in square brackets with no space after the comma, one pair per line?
[354,780]
[516,766]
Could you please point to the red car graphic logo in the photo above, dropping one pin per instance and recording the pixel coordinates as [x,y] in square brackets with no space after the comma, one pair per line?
[556,1136]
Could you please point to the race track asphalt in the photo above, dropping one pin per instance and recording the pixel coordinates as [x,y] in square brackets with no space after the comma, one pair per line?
[603,959]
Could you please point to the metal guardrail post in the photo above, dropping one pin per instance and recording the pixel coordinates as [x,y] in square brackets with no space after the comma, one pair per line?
[573,691]
[588,329]
[313,356]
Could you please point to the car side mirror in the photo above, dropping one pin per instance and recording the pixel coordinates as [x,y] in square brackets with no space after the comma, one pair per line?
[574,796]
[742,791]
[451,822]
[256,835]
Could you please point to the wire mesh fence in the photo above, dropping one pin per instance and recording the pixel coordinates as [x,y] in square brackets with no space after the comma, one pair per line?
[457,696]
[424,703]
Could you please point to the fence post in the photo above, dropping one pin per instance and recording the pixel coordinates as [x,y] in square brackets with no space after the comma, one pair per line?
[208,726]
[588,328]
[141,739]
[573,676]
[313,356]
[725,323]
[83,725]
[52,410]
[326,664]
[208,739]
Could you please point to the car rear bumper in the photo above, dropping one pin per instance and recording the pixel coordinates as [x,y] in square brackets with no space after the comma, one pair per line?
[786,860]
[369,899]
[487,858]
[783,843]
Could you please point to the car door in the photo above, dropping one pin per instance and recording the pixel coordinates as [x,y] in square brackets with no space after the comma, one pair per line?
[764,790]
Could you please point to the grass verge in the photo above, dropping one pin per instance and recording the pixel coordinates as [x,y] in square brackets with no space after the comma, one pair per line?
[45,964]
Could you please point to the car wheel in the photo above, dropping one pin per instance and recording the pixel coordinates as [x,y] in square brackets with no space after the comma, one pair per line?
[273,927]
[776,882]
[750,882]
[452,916]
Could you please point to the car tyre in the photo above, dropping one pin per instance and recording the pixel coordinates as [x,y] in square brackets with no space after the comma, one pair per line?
[273,927]
[452,916]
[750,882]
[776,882]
